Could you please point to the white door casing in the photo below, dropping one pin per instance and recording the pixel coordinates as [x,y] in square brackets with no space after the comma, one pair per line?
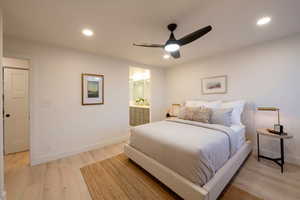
[16,110]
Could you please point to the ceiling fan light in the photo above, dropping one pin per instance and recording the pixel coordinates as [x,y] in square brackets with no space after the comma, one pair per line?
[172,47]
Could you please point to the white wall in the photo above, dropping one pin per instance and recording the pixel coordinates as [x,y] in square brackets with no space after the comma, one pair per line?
[2,192]
[266,74]
[60,126]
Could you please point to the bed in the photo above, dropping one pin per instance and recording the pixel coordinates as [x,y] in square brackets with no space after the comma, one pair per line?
[207,155]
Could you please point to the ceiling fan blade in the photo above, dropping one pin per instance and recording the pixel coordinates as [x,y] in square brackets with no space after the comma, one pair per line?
[194,36]
[175,54]
[149,45]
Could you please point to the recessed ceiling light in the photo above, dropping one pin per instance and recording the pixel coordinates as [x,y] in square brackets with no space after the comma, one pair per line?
[263,21]
[87,32]
[166,56]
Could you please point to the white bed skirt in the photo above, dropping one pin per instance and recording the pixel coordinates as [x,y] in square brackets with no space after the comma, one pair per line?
[185,188]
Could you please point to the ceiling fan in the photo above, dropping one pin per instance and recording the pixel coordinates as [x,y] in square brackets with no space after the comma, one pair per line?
[172,45]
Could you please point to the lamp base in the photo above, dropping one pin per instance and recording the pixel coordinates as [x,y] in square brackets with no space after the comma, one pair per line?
[278,128]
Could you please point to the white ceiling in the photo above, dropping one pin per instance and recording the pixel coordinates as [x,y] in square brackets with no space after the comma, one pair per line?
[119,23]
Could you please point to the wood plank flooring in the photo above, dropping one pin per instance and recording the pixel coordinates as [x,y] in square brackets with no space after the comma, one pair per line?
[119,178]
[62,179]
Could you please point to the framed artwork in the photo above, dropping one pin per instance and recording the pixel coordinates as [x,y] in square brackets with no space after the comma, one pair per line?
[214,85]
[92,89]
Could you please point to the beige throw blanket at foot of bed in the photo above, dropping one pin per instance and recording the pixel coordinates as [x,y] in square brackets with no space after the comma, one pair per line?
[194,150]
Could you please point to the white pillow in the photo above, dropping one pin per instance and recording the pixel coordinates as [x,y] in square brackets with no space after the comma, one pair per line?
[238,107]
[207,104]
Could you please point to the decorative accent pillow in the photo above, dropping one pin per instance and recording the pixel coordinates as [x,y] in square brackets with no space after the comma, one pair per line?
[208,104]
[199,114]
[238,108]
[221,116]
[181,113]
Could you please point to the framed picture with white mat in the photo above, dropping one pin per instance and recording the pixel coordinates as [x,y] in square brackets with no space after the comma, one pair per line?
[214,85]
[92,89]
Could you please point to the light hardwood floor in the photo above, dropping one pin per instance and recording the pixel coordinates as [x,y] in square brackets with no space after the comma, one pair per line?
[62,180]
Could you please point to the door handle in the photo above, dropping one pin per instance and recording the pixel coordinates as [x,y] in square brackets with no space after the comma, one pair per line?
[7,115]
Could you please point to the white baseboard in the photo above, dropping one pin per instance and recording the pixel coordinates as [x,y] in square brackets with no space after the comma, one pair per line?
[47,158]
[288,158]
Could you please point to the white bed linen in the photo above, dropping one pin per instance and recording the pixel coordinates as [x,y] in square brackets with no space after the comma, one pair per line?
[192,149]
[240,131]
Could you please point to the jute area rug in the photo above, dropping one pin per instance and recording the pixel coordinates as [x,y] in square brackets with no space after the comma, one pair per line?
[118,178]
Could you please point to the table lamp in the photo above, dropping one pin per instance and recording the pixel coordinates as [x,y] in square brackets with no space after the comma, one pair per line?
[278,128]
[174,110]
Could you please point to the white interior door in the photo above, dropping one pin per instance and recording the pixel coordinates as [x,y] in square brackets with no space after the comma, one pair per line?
[16,110]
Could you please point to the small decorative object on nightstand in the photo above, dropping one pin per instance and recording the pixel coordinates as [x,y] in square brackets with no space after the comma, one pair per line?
[282,137]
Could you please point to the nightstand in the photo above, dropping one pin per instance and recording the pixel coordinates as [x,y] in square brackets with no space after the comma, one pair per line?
[265,132]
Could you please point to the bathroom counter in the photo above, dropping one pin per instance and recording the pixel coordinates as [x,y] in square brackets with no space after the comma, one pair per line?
[139,115]
[139,106]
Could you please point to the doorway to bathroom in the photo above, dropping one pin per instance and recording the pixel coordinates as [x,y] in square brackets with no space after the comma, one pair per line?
[139,92]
